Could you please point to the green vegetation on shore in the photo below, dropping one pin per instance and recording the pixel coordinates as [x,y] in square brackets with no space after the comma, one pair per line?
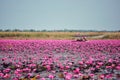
[58,35]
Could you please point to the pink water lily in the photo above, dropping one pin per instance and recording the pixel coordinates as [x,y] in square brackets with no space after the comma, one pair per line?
[118,67]
[92,75]
[100,63]
[108,67]
[63,59]
[109,76]
[37,76]
[76,76]
[1,74]
[15,79]
[6,70]
[42,79]
[77,70]
[6,76]
[51,76]
[102,76]
[18,71]
[48,67]
[32,65]
[67,67]
[26,70]
[68,76]
[81,62]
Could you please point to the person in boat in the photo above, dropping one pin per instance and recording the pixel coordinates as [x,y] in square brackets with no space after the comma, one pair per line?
[80,38]
[84,38]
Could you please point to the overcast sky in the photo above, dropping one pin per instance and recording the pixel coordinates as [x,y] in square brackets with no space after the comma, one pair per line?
[60,14]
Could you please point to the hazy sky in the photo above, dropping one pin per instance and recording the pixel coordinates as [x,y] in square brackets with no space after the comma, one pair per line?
[60,14]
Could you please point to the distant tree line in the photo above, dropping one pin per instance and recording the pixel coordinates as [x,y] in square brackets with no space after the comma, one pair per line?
[65,30]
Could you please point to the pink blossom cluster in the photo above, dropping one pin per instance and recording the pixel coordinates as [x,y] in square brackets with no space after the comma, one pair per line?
[59,60]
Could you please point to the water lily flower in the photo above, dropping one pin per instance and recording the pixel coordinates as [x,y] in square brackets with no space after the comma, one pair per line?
[63,59]
[77,70]
[43,79]
[37,76]
[48,67]
[67,67]
[118,67]
[1,74]
[75,76]
[68,76]
[15,79]
[6,76]
[51,76]
[7,70]
[102,76]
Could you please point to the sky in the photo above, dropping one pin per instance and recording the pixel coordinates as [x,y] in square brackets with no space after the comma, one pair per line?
[60,14]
